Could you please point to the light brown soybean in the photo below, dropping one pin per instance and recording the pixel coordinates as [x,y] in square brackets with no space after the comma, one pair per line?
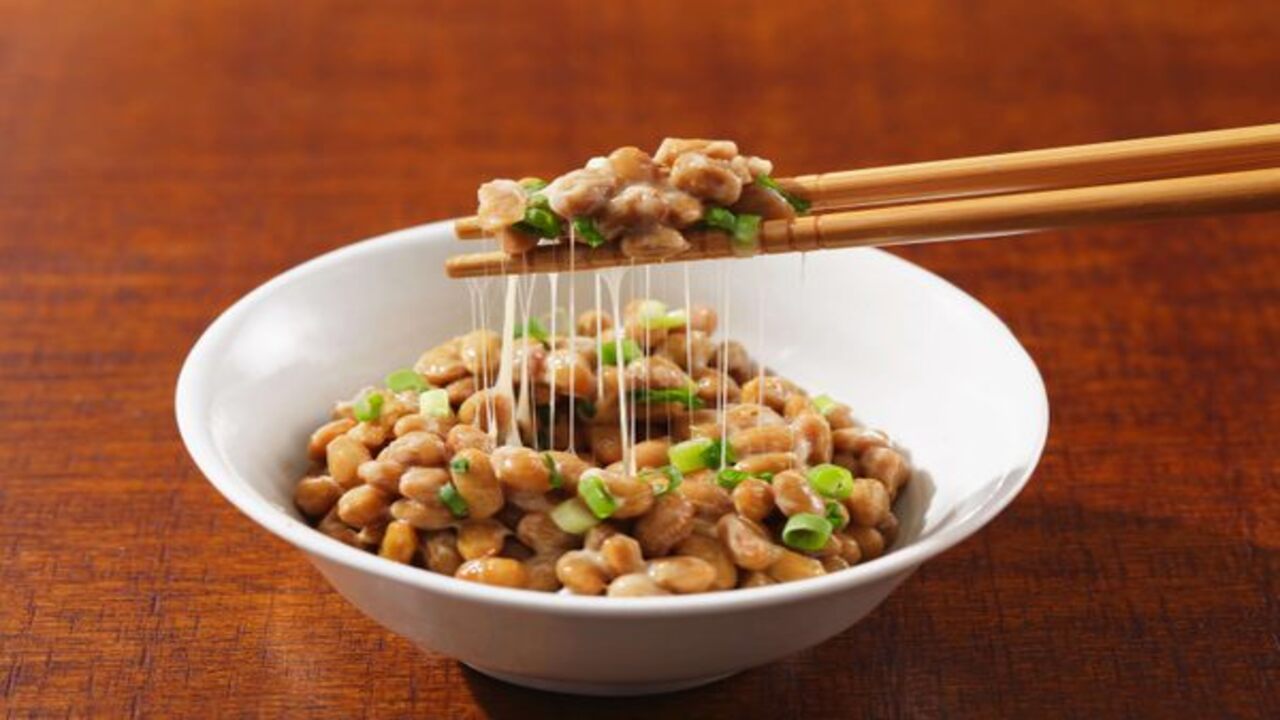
[333,526]
[399,542]
[812,438]
[857,440]
[756,578]
[768,463]
[596,535]
[712,384]
[363,505]
[459,390]
[541,572]
[768,439]
[888,528]
[316,495]
[476,409]
[477,483]
[440,552]
[637,584]
[581,573]
[668,523]
[570,467]
[633,494]
[541,534]
[382,474]
[481,353]
[621,555]
[481,538]
[747,543]
[713,553]
[770,390]
[500,571]
[424,449]
[868,502]
[462,437]
[422,515]
[370,536]
[794,566]
[423,484]
[344,456]
[886,465]
[833,563]
[753,499]
[793,494]
[570,373]
[521,469]
[849,550]
[370,434]
[606,443]
[709,499]
[870,541]
[839,417]
[796,405]
[325,434]
[593,321]
[412,422]
[732,357]
[702,318]
[529,500]
[441,365]
[750,415]
[651,453]
[683,347]
[682,574]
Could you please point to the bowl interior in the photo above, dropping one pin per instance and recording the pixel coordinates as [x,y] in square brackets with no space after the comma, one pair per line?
[912,355]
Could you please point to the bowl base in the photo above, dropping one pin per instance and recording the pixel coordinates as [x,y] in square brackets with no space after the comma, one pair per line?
[600,689]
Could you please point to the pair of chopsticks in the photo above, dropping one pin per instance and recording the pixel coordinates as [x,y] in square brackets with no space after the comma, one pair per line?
[1223,171]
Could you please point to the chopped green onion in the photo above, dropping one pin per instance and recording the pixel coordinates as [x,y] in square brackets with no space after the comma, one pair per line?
[460,465]
[831,481]
[369,407]
[585,409]
[534,329]
[719,454]
[837,515]
[453,500]
[539,201]
[649,310]
[573,516]
[557,480]
[539,221]
[532,184]
[406,379]
[585,228]
[630,351]
[800,204]
[766,476]
[666,321]
[674,478]
[720,219]
[806,531]
[435,403]
[593,492]
[690,455]
[746,234]
[824,404]
[687,397]
[728,478]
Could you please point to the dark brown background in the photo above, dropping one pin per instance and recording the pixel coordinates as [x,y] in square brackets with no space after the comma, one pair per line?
[159,159]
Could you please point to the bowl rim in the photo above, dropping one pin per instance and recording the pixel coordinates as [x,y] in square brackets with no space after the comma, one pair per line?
[198,442]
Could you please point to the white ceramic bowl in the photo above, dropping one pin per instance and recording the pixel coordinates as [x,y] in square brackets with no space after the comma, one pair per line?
[909,351]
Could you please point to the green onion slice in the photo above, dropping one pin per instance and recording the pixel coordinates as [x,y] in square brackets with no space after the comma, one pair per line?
[664,479]
[540,201]
[593,492]
[800,204]
[806,531]
[837,515]
[539,221]
[460,465]
[746,235]
[720,219]
[534,329]
[557,480]
[831,481]
[453,500]
[728,478]
[824,404]
[719,454]
[369,407]
[573,516]
[585,228]
[687,397]
[406,379]
[766,476]
[630,351]
[690,455]
[532,184]
[435,403]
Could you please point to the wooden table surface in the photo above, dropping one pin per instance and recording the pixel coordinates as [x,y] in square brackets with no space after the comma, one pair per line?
[159,159]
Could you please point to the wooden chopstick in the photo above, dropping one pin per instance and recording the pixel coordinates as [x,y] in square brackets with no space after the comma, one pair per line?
[1234,192]
[1168,156]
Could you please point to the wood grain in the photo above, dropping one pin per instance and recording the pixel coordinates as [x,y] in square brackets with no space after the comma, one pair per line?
[159,159]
